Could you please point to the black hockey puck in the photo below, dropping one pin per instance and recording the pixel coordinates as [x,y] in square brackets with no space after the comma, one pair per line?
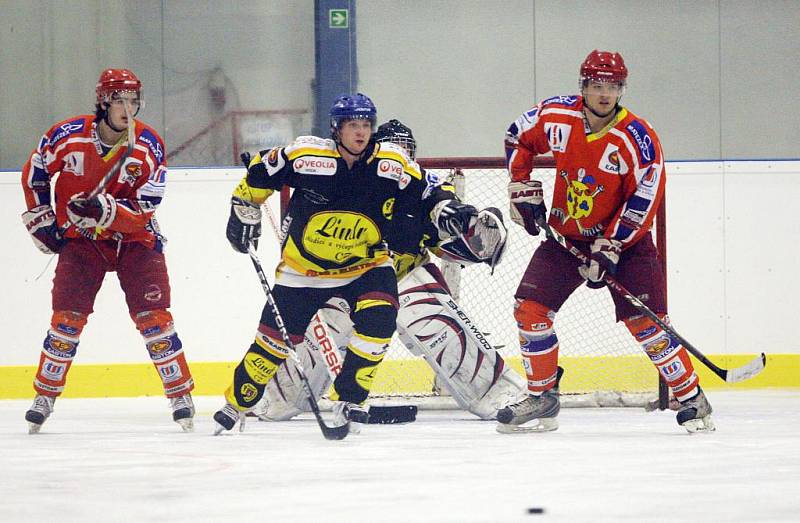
[536,510]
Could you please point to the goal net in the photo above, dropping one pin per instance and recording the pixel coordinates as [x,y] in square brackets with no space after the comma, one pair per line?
[603,365]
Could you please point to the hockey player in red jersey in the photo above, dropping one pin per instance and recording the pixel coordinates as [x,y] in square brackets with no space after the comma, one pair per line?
[609,184]
[99,217]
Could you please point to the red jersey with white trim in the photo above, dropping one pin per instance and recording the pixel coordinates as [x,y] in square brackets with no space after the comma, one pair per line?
[608,184]
[72,151]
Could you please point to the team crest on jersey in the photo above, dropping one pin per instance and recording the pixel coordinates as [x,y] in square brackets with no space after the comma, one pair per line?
[390,169]
[315,165]
[73,163]
[612,162]
[131,172]
[339,236]
[557,136]
[388,208]
[581,194]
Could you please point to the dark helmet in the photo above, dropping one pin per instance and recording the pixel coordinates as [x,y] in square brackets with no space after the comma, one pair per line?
[395,132]
[352,107]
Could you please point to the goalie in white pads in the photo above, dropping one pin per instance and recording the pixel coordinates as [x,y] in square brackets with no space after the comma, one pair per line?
[429,323]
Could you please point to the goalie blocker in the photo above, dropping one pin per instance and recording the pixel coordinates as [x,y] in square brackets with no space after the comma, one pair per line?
[430,324]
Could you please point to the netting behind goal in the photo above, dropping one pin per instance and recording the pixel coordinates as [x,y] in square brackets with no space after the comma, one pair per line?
[603,364]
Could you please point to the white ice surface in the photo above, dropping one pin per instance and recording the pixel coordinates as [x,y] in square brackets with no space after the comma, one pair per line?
[125,460]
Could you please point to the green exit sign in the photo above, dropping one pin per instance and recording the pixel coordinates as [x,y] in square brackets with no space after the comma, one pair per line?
[339,18]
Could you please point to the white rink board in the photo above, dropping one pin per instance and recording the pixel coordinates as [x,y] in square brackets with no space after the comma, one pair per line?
[732,238]
[124,460]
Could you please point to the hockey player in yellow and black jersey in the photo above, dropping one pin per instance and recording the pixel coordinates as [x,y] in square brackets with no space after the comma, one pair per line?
[354,201]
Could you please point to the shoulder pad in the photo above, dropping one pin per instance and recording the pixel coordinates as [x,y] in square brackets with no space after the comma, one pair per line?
[149,137]
[569,101]
[392,158]
[640,134]
[63,129]
[310,144]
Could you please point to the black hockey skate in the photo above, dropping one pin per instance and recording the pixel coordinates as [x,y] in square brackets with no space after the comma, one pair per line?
[541,410]
[40,410]
[695,414]
[183,411]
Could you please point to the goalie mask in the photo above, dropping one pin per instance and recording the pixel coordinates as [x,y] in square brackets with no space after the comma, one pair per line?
[484,243]
[395,132]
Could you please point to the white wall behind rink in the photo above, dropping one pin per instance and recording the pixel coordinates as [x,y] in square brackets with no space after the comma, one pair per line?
[733,245]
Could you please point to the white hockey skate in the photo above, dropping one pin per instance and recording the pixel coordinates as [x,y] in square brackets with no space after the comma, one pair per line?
[695,414]
[344,411]
[183,411]
[226,419]
[40,410]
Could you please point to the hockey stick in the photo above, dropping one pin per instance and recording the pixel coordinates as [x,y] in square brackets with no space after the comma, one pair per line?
[738,374]
[332,433]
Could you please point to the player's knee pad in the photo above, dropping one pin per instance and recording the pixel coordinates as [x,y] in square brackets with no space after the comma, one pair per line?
[58,350]
[375,315]
[356,378]
[666,353]
[658,345]
[158,330]
[64,334]
[535,324]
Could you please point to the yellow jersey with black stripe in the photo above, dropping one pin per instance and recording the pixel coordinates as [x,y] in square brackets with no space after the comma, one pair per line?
[341,221]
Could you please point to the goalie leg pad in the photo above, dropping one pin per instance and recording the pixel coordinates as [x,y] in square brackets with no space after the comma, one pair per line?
[432,325]
[670,357]
[538,344]
[58,350]
[166,351]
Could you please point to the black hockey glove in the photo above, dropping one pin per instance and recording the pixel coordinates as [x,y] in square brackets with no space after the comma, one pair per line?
[454,217]
[244,224]
[604,258]
[41,224]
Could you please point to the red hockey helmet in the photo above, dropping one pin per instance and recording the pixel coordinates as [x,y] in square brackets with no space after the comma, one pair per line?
[604,66]
[114,80]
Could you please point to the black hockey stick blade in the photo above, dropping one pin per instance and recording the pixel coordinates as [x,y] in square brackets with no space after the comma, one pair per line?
[392,414]
[747,371]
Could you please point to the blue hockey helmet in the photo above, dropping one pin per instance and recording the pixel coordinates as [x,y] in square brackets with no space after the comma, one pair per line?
[352,107]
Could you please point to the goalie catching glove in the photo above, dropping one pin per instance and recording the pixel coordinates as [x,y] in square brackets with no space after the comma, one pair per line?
[453,217]
[41,224]
[484,243]
[604,258]
[244,224]
[527,204]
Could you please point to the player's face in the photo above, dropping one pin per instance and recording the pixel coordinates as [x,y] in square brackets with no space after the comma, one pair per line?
[117,115]
[602,97]
[355,134]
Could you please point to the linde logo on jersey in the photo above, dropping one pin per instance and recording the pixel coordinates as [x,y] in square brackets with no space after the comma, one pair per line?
[73,163]
[390,169]
[340,236]
[314,165]
[557,136]
[647,152]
